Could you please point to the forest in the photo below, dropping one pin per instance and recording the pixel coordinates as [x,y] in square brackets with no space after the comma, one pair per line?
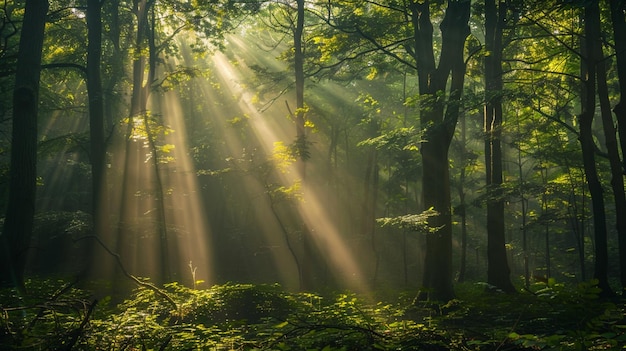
[312,175]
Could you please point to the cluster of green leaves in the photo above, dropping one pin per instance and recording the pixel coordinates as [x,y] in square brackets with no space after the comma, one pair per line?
[265,317]
[50,316]
[413,222]
[251,317]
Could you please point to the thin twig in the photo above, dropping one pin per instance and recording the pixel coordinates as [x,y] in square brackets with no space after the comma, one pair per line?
[54,297]
[76,333]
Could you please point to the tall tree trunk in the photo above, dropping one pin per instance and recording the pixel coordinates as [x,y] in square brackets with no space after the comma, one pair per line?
[139,113]
[618,8]
[161,220]
[618,14]
[439,123]
[610,132]
[576,219]
[18,224]
[462,212]
[137,106]
[161,224]
[307,275]
[588,70]
[524,205]
[368,215]
[96,126]
[498,271]
[546,222]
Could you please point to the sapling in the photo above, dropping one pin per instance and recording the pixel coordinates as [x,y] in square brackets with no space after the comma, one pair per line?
[193,274]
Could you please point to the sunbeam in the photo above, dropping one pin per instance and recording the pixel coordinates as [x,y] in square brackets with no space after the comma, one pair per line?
[312,209]
[190,232]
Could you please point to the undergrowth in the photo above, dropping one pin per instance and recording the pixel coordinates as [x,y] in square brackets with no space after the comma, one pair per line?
[57,316]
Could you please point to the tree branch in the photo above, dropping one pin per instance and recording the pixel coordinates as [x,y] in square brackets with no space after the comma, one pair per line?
[130,276]
[75,334]
[82,69]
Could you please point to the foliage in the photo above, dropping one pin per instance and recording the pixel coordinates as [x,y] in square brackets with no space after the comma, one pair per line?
[414,222]
[551,316]
[405,138]
[55,315]
[282,156]
[47,318]
[362,106]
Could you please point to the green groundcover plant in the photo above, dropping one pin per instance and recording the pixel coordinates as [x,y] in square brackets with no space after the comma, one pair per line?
[55,315]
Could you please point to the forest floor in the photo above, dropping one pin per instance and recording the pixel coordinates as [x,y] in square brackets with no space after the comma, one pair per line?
[55,315]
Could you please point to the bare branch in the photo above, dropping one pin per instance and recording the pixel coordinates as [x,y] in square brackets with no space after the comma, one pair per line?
[125,272]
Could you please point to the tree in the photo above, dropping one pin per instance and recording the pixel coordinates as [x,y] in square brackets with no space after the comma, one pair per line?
[141,83]
[96,121]
[498,272]
[438,118]
[299,117]
[18,225]
[618,20]
[404,33]
[618,8]
[589,67]
[592,20]
[155,28]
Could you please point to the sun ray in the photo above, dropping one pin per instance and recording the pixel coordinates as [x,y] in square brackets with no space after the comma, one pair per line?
[327,236]
[264,230]
[191,232]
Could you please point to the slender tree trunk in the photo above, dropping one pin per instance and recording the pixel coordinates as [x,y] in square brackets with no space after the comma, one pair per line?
[113,112]
[96,127]
[524,231]
[161,220]
[498,272]
[307,273]
[577,227]
[611,143]
[588,67]
[368,215]
[610,132]
[462,203]
[524,205]
[580,223]
[546,221]
[161,224]
[138,113]
[18,224]
[618,8]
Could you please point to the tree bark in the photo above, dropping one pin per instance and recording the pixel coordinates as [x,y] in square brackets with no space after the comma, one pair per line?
[619,38]
[462,208]
[161,220]
[524,205]
[588,71]
[18,225]
[438,119]
[610,132]
[96,126]
[307,275]
[133,178]
[618,8]
[498,271]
